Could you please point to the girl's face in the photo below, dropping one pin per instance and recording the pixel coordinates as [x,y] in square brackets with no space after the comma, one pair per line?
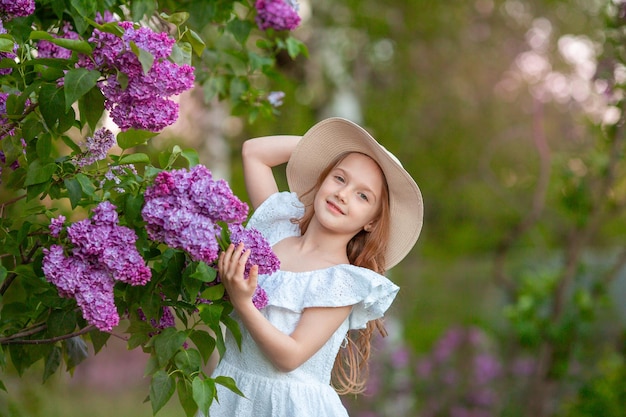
[349,198]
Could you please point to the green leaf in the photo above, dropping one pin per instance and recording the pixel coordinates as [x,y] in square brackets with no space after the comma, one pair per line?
[74,191]
[3,273]
[38,173]
[191,155]
[61,322]
[86,8]
[181,53]
[75,351]
[162,388]
[52,362]
[134,158]
[132,208]
[145,58]
[141,8]
[295,47]
[133,137]
[51,100]
[31,129]
[98,339]
[6,44]
[91,107]
[77,83]
[71,44]
[86,185]
[167,343]
[185,396]
[233,326]
[214,292]
[44,147]
[203,393]
[229,383]
[210,314]
[240,29]
[70,143]
[176,19]
[197,43]
[188,361]
[204,342]
[204,273]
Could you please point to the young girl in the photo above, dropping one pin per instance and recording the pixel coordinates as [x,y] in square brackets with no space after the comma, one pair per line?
[352,213]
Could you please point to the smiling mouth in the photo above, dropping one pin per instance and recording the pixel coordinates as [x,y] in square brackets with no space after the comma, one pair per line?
[334,207]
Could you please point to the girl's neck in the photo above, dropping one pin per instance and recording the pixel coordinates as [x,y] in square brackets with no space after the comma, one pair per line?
[311,251]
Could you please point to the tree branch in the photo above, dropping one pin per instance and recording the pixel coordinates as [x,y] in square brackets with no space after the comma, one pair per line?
[11,340]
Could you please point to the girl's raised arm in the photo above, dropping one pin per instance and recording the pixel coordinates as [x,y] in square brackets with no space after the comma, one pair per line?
[259,156]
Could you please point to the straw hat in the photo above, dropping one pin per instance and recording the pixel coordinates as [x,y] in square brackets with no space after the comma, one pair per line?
[335,136]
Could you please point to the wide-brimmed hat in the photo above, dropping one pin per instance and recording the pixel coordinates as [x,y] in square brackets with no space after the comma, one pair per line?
[335,136]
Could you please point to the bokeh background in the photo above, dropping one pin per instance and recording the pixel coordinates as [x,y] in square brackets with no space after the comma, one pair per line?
[507,114]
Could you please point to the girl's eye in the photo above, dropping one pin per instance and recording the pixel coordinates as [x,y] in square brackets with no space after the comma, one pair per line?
[363,196]
[339,178]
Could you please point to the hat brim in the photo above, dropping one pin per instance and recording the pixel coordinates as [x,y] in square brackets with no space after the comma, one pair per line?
[335,136]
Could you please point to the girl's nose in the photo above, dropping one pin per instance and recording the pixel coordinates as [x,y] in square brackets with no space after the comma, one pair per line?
[341,195]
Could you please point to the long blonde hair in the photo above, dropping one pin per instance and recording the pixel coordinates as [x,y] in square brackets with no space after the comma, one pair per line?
[365,249]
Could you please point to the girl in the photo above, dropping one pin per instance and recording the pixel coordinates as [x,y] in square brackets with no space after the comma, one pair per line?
[352,213]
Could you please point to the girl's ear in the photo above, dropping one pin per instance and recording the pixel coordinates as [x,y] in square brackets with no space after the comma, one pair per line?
[368,227]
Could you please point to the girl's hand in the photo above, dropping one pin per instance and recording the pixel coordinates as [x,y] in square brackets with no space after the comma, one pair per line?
[231,265]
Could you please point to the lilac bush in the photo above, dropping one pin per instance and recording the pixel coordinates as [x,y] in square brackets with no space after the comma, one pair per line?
[64,71]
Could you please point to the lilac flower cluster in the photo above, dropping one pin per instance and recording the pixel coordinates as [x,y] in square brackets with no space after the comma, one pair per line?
[276,14]
[261,253]
[135,98]
[16,8]
[47,49]
[102,253]
[184,209]
[9,55]
[97,146]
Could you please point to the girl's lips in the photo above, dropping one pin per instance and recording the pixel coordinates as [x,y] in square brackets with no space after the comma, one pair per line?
[334,207]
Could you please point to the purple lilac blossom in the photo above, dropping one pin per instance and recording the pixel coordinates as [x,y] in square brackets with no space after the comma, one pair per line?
[276,14]
[259,298]
[182,208]
[97,146]
[47,49]
[142,100]
[56,225]
[261,253]
[16,8]
[103,252]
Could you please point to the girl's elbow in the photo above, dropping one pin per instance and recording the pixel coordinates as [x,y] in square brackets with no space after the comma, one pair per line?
[286,363]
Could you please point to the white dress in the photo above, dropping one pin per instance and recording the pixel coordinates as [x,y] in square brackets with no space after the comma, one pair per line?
[305,391]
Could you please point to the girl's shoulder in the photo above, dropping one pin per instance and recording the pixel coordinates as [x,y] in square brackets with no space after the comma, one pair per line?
[274,217]
[370,293]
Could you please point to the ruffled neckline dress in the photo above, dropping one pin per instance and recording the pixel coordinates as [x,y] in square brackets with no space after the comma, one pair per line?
[305,391]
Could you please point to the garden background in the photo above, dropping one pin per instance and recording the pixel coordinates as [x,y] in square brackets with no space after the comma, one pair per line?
[509,115]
